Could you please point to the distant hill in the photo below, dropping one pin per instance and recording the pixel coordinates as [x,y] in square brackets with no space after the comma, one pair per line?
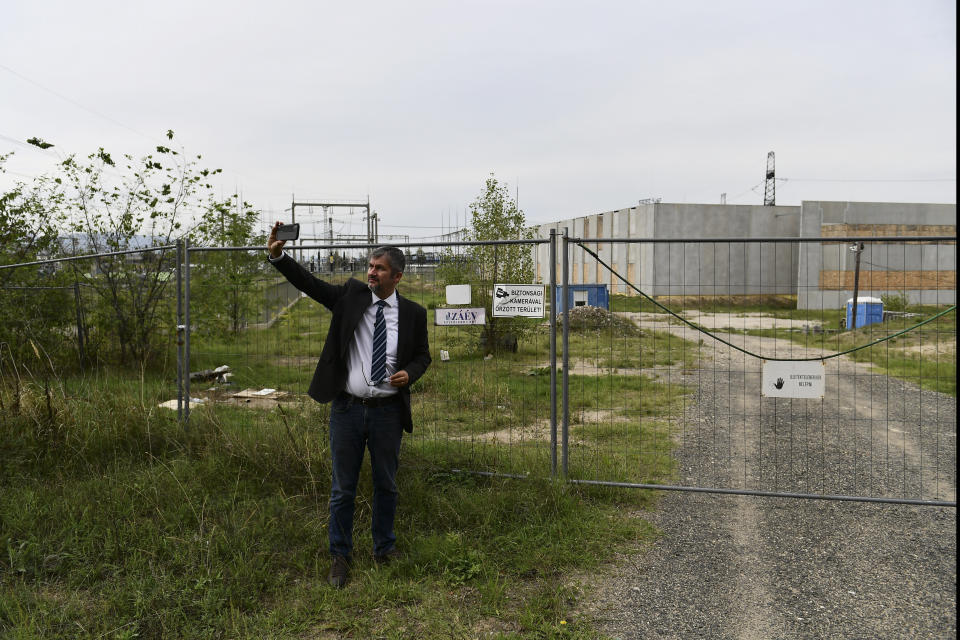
[82,243]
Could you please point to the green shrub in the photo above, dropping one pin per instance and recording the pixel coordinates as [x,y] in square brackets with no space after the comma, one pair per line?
[895,302]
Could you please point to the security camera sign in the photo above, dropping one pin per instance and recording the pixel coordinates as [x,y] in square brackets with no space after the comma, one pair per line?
[518,300]
[793,379]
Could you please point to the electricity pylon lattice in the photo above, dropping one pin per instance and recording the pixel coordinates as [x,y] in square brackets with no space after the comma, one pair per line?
[770,186]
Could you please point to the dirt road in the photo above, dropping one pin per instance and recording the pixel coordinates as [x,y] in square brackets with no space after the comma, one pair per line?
[758,568]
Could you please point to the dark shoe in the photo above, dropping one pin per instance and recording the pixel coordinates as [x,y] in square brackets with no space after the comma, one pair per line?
[388,557]
[339,568]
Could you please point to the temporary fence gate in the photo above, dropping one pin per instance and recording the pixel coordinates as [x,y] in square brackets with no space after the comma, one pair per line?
[675,400]
[868,436]
[667,392]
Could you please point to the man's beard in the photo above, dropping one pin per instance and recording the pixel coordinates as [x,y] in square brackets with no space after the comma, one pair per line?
[378,286]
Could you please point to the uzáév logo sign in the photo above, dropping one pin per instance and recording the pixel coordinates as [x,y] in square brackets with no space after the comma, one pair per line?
[460,316]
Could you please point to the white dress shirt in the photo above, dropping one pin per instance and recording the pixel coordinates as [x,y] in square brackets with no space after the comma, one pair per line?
[361,350]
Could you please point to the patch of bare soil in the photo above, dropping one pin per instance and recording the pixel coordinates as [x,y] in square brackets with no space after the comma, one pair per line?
[736,321]
[539,431]
[297,361]
[248,398]
[586,367]
[937,349]
[767,299]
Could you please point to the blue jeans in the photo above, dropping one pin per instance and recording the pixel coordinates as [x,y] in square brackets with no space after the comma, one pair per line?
[352,428]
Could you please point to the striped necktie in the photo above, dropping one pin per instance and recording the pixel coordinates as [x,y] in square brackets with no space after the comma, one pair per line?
[378,368]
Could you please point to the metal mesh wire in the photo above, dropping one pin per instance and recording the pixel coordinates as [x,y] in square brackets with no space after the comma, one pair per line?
[663,389]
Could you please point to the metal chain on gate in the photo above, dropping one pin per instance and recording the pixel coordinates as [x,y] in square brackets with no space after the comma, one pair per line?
[746,351]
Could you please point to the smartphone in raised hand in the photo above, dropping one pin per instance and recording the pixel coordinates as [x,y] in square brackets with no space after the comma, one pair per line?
[287,232]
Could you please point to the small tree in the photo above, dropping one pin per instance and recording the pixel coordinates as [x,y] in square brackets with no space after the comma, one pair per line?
[35,302]
[29,221]
[141,205]
[227,278]
[494,215]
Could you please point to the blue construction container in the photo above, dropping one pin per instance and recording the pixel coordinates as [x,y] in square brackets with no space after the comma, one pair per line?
[580,295]
[869,310]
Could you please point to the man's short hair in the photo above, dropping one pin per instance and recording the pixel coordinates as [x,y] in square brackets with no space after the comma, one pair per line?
[395,257]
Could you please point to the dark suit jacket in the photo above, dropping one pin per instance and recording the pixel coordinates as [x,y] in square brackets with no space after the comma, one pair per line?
[348,302]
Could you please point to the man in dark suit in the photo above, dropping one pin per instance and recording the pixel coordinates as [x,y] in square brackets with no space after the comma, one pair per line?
[375,349]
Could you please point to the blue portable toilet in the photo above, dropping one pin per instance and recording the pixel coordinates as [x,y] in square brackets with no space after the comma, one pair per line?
[581,295]
[869,310]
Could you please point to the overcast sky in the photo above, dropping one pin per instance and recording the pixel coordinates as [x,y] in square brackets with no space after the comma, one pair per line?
[579,107]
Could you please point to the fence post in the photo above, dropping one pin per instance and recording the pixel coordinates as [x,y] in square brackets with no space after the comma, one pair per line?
[180,329]
[566,350]
[857,248]
[81,334]
[186,331]
[553,352]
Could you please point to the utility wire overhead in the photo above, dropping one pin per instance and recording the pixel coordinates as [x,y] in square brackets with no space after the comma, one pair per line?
[53,152]
[77,104]
[105,117]
[47,152]
[867,179]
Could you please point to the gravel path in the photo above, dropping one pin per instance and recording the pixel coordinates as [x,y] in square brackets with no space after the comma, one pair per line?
[761,568]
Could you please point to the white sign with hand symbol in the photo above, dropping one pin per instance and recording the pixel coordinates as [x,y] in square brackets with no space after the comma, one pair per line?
[793,379]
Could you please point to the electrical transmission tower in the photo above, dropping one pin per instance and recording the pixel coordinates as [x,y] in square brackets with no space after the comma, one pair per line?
[770,187]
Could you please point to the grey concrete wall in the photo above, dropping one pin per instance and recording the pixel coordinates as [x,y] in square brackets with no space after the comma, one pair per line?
[743,268]
[693,268]
[711,268]
[879,256]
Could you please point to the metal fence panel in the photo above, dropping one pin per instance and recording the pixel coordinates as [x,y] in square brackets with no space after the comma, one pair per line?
[104,325]
[478,411]
[661,391]
[884,430]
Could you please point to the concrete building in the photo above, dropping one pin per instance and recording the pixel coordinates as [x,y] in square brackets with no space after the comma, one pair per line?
[925,272]
[693,250]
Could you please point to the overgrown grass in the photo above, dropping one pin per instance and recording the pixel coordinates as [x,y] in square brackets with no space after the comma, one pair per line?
[116,522]
[706,304]
[119,523]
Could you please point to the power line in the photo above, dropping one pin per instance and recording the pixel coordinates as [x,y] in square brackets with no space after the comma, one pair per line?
[867,179]
[32,147]
[119,124]
[412,226]
[77,104]
[750,353]
[49,152]
[22,175]
[94,112]
[753,189]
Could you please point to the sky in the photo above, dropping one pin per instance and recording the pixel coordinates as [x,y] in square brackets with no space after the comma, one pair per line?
[578,107]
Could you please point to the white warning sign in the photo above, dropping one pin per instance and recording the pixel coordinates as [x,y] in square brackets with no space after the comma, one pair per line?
[793,379]
[519,300]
